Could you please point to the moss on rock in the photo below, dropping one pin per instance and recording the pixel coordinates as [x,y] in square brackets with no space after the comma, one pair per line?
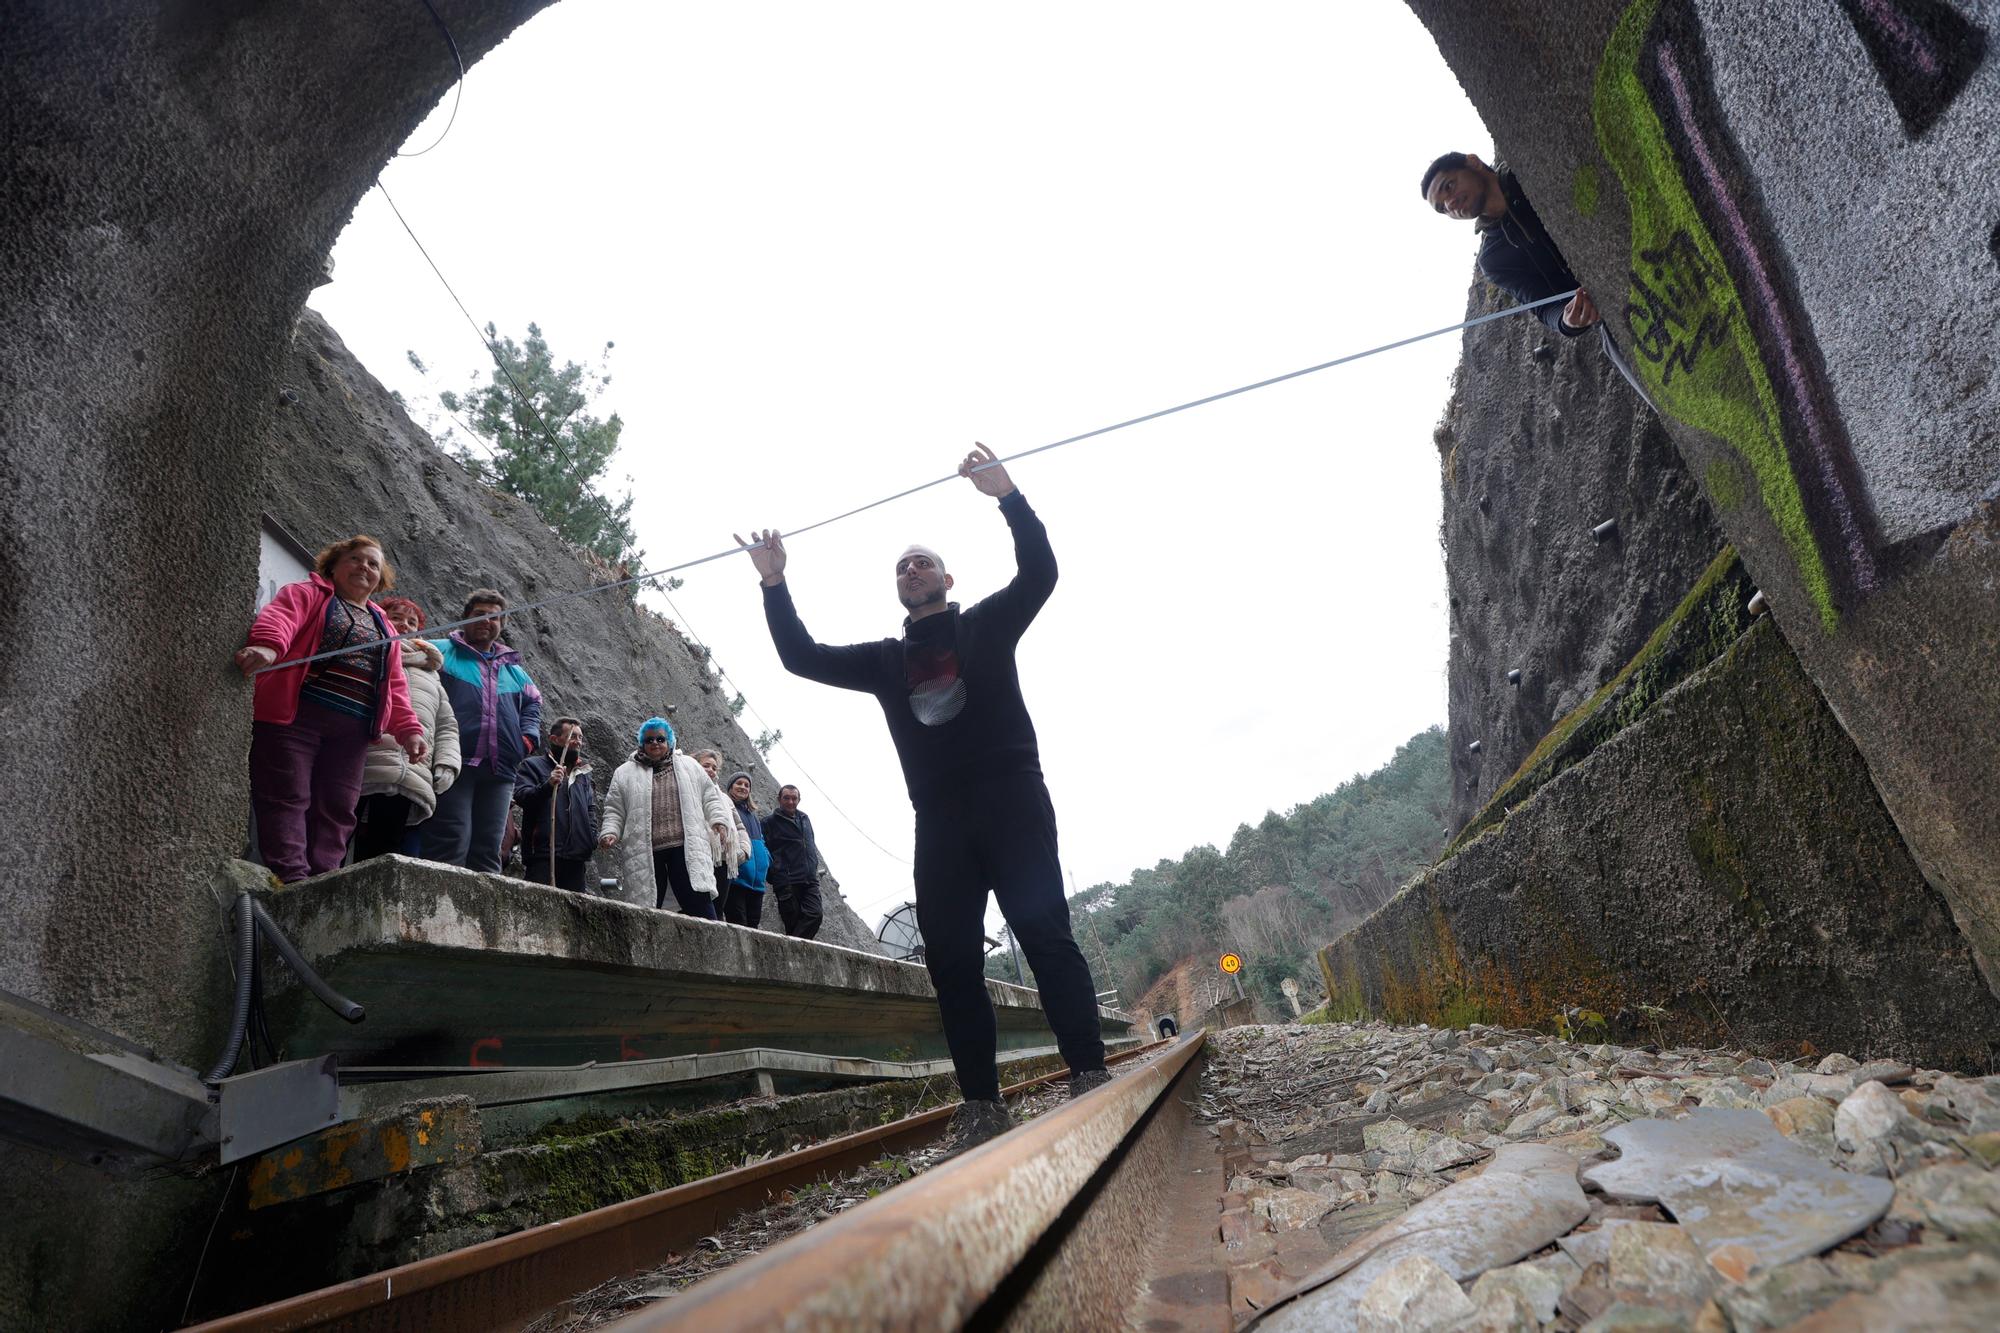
[1700,629]
[1720,871]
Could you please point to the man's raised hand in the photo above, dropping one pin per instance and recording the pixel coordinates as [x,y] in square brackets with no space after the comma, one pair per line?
[994,480]
[767,553]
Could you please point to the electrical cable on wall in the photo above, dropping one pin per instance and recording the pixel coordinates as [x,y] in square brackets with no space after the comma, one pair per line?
[490,344]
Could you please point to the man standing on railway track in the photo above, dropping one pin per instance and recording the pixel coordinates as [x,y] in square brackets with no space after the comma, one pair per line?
[950,692]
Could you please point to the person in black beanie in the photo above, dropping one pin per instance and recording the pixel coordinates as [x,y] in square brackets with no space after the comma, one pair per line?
[743,901]
[556,780]
[952,698]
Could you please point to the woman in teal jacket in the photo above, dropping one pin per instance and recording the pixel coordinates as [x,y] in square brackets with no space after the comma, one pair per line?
[744,904]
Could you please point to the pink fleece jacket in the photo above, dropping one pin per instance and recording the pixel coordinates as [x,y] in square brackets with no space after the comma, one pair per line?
[290,625]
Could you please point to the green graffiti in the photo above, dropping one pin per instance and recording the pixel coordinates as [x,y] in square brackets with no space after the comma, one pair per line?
[1696,351]
[1725,484]
[1585,192]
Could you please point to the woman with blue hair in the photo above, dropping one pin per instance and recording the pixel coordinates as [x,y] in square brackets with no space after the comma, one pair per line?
[658,812]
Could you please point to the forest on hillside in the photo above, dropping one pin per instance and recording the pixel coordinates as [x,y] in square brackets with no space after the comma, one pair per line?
[1284,887]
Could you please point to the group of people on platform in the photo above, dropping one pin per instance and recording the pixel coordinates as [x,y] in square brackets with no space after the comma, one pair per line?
[372,740]
[442,735]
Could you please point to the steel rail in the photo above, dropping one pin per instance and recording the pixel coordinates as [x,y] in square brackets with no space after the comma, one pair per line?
[973,1241]
[506,1282]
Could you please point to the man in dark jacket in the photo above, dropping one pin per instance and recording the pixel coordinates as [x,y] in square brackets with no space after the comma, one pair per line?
[557,780]
[949,691]
[1516,253]
[794,874]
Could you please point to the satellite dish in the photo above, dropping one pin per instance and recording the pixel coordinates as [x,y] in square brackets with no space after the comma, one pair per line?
[898,934]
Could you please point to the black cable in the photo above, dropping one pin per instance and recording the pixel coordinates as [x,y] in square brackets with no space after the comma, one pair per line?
[458,95]
[260,1021]
[491,349]
[239,1021]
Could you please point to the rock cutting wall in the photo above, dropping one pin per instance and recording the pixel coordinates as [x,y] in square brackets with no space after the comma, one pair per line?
[1789,213]
[1541,442]
[346,458]
[1721,871]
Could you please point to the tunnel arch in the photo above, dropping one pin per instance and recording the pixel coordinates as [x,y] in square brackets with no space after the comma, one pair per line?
[175,175]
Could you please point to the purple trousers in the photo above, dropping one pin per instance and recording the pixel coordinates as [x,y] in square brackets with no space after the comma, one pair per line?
[305,781]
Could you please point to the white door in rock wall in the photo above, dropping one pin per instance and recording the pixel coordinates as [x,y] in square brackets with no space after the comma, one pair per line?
[280,560]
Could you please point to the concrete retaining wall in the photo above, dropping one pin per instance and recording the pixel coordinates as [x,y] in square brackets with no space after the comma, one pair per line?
[1720,871]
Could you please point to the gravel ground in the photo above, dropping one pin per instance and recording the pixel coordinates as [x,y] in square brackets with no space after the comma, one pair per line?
[1336,1130]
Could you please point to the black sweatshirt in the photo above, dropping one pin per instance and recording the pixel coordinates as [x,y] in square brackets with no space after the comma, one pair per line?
[1518,256]
[948,687]
[794,850]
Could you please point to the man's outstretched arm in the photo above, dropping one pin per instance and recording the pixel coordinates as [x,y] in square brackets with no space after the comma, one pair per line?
[1034,559]
[854,666]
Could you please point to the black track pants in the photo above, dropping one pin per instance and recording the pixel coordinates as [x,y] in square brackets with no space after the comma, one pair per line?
[800,909]
[999,837]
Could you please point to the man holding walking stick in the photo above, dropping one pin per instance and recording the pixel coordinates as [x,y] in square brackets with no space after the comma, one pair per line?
[553,790]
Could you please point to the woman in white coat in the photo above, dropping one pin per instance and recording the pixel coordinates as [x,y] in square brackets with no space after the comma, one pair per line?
[728,853]
[660,811]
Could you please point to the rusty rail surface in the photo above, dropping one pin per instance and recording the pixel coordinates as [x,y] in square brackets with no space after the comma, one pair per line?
[506,1282]
[1007,1235]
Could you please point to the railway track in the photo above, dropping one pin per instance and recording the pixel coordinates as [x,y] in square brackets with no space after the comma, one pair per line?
[1098,1214]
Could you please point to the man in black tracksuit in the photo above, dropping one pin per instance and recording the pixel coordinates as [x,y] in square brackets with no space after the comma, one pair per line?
[794,875]
[950,694]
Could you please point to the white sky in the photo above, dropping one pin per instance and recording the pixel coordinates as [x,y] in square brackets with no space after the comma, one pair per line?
[836,244]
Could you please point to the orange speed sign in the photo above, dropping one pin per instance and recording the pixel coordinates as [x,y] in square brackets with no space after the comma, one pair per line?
[1231,964]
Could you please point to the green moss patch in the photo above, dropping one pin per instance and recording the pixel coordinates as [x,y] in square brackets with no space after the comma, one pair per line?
[1707,621]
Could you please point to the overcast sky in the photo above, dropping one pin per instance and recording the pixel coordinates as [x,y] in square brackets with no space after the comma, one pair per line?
[836,244]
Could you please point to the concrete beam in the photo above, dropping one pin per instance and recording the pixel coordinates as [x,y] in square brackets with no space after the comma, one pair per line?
[465,969]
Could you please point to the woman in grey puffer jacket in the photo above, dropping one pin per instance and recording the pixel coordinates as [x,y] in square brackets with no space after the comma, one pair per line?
[396,793]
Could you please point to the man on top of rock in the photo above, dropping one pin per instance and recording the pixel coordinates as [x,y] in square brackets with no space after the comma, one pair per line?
[950,693]
[1516,253]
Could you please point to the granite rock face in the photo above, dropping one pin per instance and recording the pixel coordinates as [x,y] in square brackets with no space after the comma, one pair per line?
[1805,270]
[1719,870]
[346,458]
[1541,442]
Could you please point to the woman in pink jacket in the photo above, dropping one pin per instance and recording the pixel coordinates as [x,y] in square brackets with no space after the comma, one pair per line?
[314,721]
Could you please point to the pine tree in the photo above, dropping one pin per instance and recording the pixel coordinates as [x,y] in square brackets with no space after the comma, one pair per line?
[560,480]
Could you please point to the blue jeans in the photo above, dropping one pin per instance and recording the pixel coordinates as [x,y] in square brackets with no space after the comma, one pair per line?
[471,819]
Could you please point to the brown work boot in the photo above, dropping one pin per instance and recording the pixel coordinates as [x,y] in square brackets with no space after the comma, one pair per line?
[1089,1080]
[973,1123]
